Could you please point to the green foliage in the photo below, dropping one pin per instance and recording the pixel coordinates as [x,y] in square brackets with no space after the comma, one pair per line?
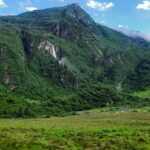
[104,139]
[15,106]
[90,54]
[94,52]
[140,78]
[143,94]
[98,94]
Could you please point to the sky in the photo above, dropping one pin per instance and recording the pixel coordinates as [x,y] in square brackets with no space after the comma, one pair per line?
[128,14]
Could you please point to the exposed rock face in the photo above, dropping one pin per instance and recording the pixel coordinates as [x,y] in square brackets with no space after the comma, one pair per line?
[48,46]
[76,12]
[26,39]
[116,57]
[62,60]
[62,30]
[7,79]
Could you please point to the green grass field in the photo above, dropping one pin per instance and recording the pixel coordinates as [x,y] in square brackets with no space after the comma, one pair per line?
[89,130]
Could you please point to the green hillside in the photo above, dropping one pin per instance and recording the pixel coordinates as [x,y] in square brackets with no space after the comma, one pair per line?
[58,61]
[140,78]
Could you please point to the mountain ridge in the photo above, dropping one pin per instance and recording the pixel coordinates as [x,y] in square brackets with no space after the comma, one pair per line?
[62,59]
[64,29]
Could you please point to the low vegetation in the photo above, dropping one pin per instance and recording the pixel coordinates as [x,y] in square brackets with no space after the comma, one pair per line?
[96,129]
[63,103]
[143,94]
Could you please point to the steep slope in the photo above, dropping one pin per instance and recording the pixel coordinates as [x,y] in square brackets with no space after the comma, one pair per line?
[47,55]
[88,49]
[27,70]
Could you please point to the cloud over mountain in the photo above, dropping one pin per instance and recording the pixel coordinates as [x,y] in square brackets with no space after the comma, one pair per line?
[131,33]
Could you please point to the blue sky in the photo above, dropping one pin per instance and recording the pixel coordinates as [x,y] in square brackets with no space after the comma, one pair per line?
[132,14]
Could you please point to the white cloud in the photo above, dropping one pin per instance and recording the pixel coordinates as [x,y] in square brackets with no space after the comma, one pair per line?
[2,4]
[27,6]
[99,5]
[30,8]
[122,26]
[145,5]
[131,33]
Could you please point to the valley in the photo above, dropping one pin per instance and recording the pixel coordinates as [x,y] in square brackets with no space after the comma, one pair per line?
[59,61]
[95,129]
[69,83]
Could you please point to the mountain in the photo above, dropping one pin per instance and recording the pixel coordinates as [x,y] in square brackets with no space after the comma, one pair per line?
[50,59]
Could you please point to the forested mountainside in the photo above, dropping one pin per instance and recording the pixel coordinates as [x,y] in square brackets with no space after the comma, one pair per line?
[58,60]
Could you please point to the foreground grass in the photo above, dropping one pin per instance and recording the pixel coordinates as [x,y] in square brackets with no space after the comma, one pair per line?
[89,130]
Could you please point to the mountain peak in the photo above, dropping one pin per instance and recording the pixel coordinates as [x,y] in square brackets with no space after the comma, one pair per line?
[75,11]
[72,11]
[74,5]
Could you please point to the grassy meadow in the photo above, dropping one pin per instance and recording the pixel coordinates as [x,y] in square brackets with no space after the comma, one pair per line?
[99,129]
